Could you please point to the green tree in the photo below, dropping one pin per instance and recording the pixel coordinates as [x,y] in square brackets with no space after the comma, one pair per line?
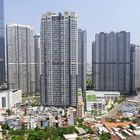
[17,132]
[125,119]
[104,136]
[95,113]
[87,129]
[8,112]
[5,126]
[36,135]
[78,138]
[79,120]
[89,84]
[14,137]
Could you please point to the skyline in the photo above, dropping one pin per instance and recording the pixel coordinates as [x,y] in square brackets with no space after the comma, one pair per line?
[98,16]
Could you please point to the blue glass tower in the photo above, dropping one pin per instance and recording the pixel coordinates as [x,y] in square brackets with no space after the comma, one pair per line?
[2,44]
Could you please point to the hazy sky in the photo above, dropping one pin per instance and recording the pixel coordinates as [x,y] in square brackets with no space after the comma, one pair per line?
[93,15]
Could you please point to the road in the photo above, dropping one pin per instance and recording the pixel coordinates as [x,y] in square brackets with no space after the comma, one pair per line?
[114,111]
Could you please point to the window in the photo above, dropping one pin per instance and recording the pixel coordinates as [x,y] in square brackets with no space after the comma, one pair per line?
[3,101]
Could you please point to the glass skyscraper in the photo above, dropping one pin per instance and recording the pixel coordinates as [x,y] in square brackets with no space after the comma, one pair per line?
[2,44]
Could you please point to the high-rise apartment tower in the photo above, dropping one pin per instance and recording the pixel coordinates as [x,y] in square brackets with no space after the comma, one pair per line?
[37,62]
[82,59]
[112,62]
[59,52]
[21,58]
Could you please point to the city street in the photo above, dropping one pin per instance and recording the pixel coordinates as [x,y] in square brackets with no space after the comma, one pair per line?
[114,111]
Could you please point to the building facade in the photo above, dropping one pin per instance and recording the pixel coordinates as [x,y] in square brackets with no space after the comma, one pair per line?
[21,58]
[136,67]
[111,62]
[2,44]
[9,98]
[71,115]
[95,100]
[80,104]
[82,59]
[37,62]
[96,106]
[59,59]
[92,95]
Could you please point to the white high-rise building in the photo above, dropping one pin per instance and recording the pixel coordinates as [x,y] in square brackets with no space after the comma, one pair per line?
[21,58]
[59,52]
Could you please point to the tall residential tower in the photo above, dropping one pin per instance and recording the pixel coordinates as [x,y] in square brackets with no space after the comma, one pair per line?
[37,62]
[112,62]
[21,58]
[82,59]
[136,58]
[59,50]
[2,44]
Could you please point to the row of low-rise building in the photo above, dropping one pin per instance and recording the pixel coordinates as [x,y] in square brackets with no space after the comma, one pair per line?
[96,100]
[115,130]
[38,116]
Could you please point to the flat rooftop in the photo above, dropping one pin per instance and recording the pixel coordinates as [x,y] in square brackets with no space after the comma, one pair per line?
[112,124]
[102,93]
[9,90]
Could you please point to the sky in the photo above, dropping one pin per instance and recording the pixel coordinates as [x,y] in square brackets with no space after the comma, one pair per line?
[93,15]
